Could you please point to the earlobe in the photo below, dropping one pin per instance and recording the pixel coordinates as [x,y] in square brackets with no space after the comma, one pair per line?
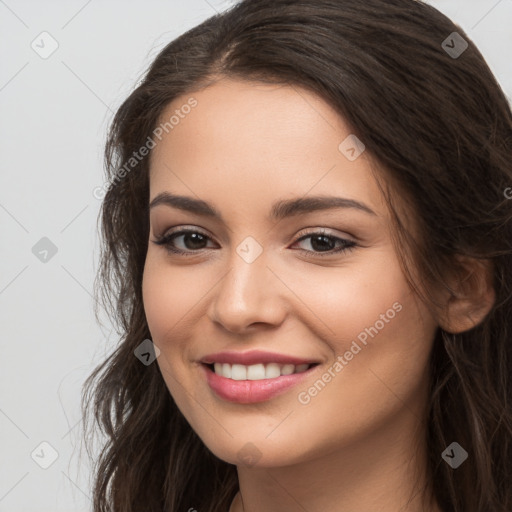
[474,295]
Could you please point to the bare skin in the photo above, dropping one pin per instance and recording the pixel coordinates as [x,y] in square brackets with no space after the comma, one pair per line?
[357,444]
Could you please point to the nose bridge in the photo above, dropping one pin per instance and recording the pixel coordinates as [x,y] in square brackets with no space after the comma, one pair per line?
[249,292]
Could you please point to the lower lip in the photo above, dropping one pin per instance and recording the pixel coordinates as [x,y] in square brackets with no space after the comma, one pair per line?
[252,391]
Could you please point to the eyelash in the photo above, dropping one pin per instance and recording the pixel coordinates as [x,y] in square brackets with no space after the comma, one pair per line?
[167,240]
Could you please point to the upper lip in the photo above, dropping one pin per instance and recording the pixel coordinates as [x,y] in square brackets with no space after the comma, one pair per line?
[254,357]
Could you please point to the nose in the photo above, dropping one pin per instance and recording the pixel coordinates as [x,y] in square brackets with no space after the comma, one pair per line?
[249,296]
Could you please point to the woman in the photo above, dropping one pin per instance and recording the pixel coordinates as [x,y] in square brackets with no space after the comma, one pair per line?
[306,223]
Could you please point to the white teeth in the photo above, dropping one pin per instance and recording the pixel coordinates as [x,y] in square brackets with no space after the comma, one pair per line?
[257,371]
[287,369]
[226,370]
[272,370]
[238,372]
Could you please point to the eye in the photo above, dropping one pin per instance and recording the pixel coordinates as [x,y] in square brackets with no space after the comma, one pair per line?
[324,242]
[321,242]
[192,238]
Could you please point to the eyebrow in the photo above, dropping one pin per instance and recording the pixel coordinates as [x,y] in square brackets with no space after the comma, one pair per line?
[280,210]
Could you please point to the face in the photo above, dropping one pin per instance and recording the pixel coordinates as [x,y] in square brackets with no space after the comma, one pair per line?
[319,342]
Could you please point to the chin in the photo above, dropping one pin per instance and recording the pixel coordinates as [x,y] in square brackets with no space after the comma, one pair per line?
[255,451]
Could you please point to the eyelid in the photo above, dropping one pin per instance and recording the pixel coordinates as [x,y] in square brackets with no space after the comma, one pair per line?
[183,227]
[325,231]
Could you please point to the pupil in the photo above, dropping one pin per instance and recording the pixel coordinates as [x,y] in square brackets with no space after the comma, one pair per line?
[196,238]
[323,238]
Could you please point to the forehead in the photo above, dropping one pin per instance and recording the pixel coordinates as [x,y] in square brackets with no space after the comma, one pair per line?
[254,143]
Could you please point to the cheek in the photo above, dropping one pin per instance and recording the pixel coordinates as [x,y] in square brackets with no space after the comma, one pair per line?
[166,303]
[169,298]
[381,331]
[386,331]
[380,366]
[361,298]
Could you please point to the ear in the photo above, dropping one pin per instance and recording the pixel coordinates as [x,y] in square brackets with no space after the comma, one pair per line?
[473,296]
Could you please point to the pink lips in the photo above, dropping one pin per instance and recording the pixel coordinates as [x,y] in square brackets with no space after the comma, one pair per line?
[252,391]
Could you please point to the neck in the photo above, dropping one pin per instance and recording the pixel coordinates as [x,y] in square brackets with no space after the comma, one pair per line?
[384,472]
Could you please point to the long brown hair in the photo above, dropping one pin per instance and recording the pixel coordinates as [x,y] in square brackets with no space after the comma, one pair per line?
[438,124]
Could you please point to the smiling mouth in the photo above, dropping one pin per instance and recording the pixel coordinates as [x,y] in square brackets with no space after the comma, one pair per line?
[257,371]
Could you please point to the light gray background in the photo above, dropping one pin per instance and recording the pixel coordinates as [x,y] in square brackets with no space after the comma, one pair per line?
[54,116]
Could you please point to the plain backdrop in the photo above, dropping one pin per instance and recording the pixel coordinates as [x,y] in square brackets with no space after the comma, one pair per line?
[55,110]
